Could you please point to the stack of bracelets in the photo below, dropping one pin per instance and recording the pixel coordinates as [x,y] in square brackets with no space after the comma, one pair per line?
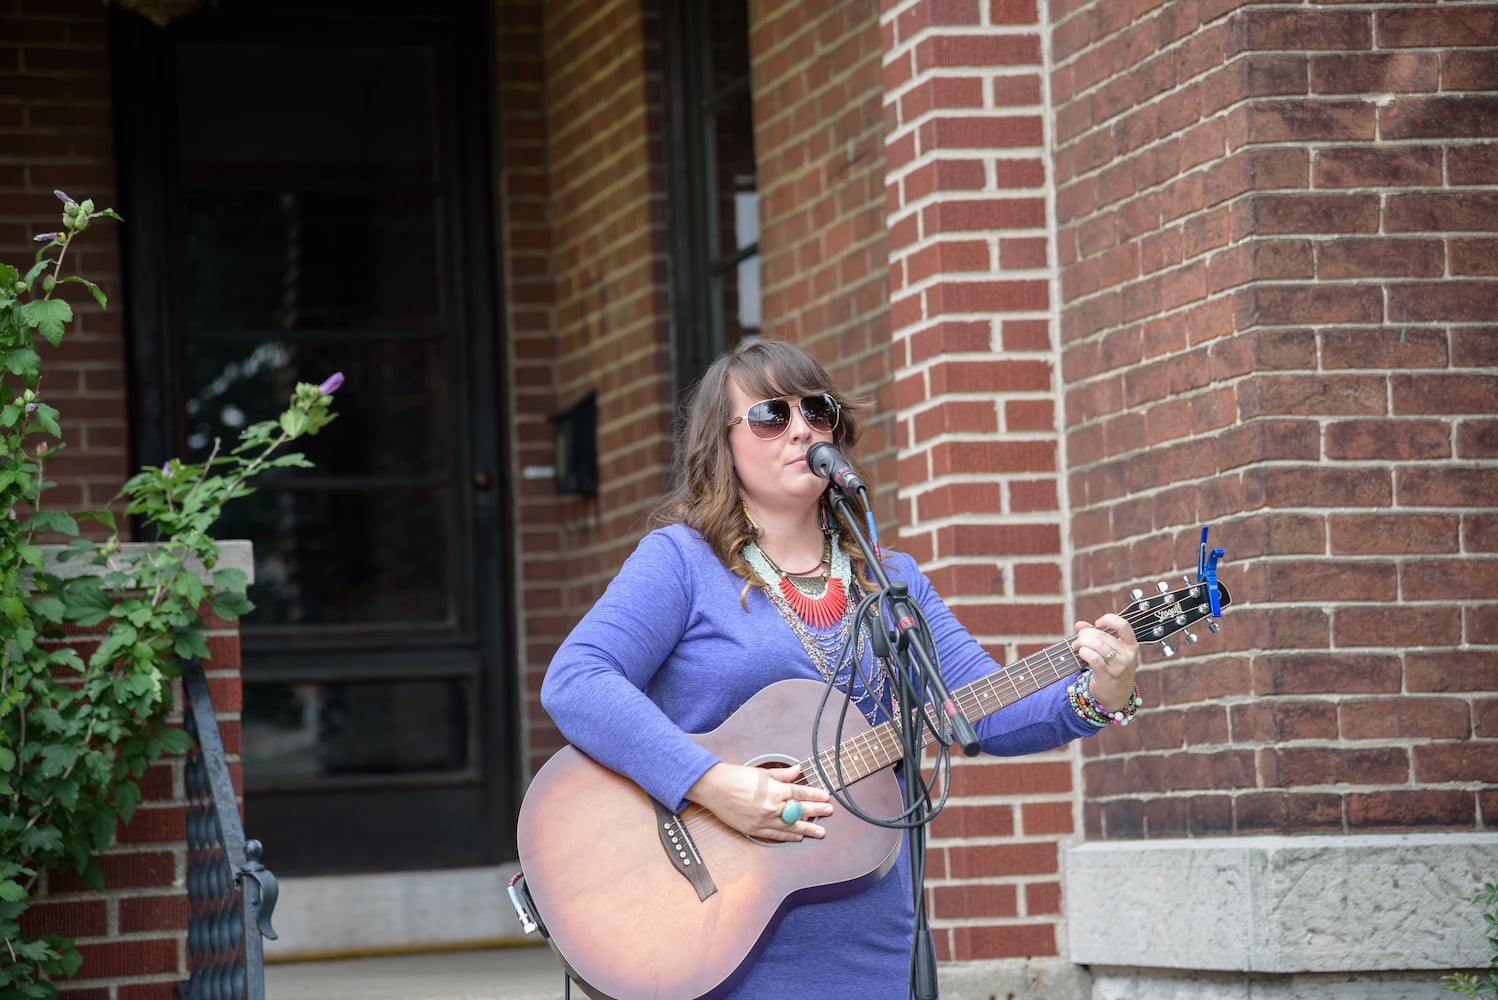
[1084,704]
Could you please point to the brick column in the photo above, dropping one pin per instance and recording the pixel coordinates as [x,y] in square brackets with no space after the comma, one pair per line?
[971,275]
[1275,233]
[132,931]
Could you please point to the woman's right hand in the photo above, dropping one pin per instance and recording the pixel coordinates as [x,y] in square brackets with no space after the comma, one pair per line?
[750,799]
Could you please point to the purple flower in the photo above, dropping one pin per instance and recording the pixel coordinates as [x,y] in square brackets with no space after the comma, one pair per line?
[64,197]
[44,237]
[331,384]
[30,407]
[166,468]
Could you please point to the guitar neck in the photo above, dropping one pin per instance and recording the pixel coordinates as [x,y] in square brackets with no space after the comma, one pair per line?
[880,746]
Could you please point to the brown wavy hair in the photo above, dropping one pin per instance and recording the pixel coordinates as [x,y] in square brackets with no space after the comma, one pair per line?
[708,496]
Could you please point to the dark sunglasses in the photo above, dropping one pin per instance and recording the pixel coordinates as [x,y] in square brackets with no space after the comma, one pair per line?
[769,418]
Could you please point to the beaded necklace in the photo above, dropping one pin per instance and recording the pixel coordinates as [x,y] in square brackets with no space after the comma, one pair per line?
[819,601]
[822,638]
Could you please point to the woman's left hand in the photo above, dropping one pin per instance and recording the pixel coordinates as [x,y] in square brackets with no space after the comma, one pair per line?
[1110,649]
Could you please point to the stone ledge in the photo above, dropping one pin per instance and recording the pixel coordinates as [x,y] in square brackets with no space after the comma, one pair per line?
[1305,904]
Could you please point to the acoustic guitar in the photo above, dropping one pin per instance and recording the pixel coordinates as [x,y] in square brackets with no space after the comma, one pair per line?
[639,901]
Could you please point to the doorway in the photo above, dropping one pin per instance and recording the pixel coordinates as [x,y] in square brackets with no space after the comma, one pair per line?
[308,184]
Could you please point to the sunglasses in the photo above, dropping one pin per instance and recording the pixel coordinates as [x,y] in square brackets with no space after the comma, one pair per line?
[769,418]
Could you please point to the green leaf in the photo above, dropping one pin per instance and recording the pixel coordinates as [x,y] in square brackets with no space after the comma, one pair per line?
[52,520]
[99,295]
[7,759]
[230,606]
[126,798]
[189,644]
[46,416]
[176,741]
[232,579]
[42,263]
[87,603]
[49,609]
[22,361]
[294,423]
[49,316]
[189,586]
[12,891]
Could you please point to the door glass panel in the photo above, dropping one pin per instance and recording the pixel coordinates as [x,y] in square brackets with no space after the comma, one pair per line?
[347,111]
[314,195]
[297,732]
[290,260]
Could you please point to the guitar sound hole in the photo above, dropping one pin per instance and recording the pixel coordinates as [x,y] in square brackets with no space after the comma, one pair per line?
[771,761]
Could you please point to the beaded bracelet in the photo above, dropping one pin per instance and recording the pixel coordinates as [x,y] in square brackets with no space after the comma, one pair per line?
[1079,693]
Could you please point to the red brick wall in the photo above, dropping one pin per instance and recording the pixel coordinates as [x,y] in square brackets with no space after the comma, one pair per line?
[1276,231]
[524,241]
[56,133]
[601,125]
[132,933]
[979,449]
[819,149]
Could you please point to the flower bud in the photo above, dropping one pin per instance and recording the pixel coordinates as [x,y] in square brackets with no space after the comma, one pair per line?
[86,207]
[63,197]
[331,384]
[49,282]
[19,288]
[44,237]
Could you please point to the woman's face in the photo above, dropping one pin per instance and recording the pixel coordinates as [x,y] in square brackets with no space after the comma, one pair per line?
[774,473]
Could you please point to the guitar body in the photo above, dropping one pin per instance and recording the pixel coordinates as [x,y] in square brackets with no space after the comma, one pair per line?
[621,915]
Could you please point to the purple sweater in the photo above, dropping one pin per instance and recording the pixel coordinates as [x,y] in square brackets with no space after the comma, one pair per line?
[668,650]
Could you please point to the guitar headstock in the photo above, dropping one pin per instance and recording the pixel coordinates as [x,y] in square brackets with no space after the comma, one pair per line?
[1157,618]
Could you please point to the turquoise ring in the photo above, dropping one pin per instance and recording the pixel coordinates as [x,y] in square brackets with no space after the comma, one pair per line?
[791,812]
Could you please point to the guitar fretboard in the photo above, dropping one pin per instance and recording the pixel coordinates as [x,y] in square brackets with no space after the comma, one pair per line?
[879,747]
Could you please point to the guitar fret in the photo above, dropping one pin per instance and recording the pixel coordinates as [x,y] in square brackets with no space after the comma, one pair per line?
[879,747]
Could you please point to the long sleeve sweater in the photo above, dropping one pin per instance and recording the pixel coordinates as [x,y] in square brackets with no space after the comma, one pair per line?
[669,650]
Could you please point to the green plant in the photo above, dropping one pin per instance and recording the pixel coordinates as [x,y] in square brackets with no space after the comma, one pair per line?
[1465,983]
[76,735]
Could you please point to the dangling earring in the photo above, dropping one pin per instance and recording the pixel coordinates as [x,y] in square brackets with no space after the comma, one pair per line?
[749,526]
[824,514]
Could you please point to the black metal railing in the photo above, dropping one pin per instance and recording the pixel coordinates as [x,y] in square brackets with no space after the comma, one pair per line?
[228,889]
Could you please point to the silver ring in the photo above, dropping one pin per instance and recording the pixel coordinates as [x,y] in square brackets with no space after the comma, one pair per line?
[1110,654]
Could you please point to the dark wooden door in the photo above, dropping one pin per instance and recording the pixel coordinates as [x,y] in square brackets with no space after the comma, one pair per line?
[304,186]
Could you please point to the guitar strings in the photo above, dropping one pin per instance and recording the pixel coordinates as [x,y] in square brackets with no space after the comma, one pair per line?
[867,750]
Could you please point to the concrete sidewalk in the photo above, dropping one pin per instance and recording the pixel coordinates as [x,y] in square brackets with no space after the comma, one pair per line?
[517,973]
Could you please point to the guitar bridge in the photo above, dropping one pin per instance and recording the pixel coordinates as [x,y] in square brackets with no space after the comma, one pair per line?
[682,851]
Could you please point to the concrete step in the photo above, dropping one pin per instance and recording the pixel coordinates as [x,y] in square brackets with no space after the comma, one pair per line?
[513,973]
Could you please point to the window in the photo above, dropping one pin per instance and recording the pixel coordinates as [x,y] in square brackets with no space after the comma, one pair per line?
[714,191]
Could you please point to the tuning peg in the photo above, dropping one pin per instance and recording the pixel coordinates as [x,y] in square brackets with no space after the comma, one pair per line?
[1191,638]
[1167,649]
[1135,594]
[1162,587]
[1213,627]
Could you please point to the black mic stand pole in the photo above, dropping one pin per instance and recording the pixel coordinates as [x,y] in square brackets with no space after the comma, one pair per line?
[909,643]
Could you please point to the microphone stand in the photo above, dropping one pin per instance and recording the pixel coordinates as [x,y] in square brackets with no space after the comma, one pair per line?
[904,645]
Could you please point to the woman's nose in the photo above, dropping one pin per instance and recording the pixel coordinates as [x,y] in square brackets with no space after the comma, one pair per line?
[799,428]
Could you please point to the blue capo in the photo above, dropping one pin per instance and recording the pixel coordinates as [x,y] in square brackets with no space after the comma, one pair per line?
[1206,570]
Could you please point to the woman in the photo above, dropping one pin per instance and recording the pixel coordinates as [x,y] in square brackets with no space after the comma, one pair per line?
[753,578]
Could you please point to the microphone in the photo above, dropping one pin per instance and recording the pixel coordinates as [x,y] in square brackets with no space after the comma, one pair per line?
[826,461]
